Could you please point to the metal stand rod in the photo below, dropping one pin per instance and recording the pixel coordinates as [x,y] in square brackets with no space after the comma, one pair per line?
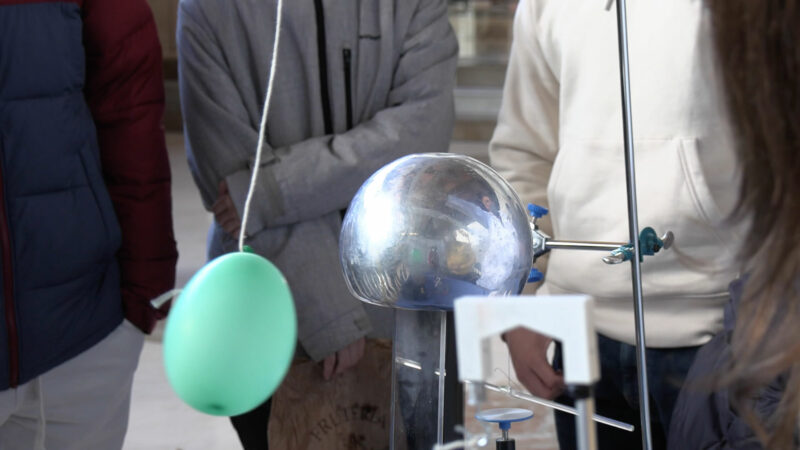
[505,444]
[587,436]
[633,224]
[583,245]
[442,355]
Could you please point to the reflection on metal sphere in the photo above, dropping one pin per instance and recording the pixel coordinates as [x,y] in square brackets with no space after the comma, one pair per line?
[429,228]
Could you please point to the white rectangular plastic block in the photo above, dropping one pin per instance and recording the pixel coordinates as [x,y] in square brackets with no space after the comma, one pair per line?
[567,318]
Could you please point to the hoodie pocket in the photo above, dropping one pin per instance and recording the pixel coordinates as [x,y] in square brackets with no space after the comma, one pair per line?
[697,185]
[588,182]
[588,201]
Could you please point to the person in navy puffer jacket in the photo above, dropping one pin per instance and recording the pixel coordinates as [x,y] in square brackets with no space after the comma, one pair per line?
[86,234]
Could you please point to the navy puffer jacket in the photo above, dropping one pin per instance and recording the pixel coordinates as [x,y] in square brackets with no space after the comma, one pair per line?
[705,419]
[85,223]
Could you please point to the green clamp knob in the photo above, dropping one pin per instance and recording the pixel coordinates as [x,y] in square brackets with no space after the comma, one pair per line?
[649,244]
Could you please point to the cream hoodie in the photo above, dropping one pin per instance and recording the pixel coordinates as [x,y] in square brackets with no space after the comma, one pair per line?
[559,143]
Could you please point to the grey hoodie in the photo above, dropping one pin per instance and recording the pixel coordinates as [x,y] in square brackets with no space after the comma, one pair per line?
[326,132]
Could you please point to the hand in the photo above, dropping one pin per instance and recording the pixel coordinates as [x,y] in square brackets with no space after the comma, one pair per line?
[529,355]
[343,359]
[225,211]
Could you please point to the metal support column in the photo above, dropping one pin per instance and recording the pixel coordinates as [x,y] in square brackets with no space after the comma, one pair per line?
[633,224]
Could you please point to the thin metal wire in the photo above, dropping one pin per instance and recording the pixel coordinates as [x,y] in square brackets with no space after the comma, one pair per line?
[508,366]
[551,404]
[633,224]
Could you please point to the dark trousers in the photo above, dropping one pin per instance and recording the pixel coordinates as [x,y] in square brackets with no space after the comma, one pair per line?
[617,394]
[252,427]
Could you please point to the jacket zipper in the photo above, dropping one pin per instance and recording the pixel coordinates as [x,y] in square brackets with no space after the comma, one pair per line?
[348,97]
[8,285]
[348,93]
[323,67]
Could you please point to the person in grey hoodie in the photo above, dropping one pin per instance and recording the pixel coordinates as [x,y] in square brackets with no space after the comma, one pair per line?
[357,85]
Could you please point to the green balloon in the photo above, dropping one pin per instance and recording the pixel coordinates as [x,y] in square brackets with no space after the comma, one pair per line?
[230,335]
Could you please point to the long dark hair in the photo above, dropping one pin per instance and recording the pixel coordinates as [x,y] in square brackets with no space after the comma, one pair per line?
[758,46]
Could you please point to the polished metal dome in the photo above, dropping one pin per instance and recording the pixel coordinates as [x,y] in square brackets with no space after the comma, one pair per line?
[429,228]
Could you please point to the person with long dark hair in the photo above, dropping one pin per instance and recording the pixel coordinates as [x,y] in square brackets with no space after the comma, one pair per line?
[754,366]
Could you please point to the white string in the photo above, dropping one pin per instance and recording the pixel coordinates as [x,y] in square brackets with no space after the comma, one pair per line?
[261,130]
[159,301]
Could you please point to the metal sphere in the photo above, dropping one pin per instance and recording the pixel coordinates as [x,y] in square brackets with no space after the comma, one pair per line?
[429,228]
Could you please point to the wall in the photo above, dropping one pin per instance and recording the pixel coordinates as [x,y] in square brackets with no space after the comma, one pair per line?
[166,14]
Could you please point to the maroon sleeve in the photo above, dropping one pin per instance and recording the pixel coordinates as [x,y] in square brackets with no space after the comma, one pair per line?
[125,92]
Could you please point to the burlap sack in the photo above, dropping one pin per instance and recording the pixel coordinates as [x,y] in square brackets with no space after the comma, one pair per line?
[350,412]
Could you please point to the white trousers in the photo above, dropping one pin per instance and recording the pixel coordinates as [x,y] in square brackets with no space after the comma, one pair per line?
[81,404]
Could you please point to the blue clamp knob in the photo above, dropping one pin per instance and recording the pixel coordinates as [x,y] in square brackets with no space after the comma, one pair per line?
[535,276]
[537,211]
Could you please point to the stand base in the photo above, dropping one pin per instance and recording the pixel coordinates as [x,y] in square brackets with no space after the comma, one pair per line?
[507,444]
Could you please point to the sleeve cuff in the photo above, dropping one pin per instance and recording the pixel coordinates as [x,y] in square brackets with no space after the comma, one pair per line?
[141,313]
[336,335]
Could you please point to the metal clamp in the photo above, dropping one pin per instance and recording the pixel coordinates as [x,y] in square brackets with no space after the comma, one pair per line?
[649,242]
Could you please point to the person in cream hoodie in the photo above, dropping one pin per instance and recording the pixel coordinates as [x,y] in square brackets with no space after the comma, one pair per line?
[559,142]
